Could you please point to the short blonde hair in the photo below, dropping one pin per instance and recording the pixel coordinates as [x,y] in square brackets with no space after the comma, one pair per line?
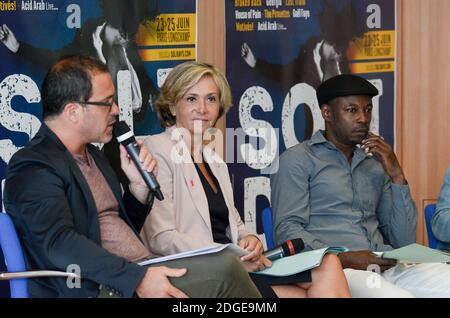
[181,79]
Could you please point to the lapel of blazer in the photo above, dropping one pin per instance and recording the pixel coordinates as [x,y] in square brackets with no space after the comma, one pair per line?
[191,177]
[92,215]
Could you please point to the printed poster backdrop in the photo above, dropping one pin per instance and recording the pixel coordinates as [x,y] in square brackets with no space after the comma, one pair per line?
[140,40]
[278,52]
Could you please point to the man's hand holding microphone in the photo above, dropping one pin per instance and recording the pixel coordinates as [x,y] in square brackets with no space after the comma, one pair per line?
[137,164]
[137,185]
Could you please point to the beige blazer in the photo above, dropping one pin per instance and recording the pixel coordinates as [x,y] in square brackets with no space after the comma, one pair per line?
[181,222]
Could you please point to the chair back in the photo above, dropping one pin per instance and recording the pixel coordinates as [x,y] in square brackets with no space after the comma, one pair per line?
[430,209]
[12,252]
[267,224]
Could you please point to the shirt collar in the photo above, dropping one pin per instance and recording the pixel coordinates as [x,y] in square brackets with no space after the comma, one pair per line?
[319,138]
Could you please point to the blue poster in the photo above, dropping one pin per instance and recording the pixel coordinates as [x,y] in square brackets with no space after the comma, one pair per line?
[277,54]
[139,40]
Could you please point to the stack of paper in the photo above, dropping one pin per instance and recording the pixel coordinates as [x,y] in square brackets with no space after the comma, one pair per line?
[300,262]
[415,253]
[215,248]
[281,267]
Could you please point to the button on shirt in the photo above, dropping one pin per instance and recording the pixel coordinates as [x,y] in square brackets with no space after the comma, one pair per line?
[319,197]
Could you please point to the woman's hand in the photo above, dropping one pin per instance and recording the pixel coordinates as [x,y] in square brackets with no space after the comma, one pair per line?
[255,260]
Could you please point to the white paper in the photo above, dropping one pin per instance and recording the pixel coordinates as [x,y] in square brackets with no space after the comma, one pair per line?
[200,251]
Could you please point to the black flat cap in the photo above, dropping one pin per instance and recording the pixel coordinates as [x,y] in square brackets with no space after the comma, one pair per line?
[344,85]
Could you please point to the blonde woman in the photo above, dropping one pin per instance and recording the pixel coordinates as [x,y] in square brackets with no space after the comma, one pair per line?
[199,207]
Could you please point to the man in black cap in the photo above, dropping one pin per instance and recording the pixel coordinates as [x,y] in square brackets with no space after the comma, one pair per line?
[346,187]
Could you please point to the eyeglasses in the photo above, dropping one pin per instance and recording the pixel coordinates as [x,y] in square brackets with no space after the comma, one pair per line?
[106,104]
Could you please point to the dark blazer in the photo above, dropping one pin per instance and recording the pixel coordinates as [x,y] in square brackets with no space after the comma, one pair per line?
[56,219]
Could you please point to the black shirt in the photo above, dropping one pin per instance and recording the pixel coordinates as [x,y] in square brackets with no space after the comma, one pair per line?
[218,210]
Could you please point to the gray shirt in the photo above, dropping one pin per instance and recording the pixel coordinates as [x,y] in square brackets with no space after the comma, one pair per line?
[319,197]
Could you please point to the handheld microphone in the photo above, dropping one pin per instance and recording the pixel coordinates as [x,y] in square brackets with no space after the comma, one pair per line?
[288,248]
[125,136]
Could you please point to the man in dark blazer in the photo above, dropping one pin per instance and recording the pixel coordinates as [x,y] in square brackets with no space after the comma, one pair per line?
[59,191]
